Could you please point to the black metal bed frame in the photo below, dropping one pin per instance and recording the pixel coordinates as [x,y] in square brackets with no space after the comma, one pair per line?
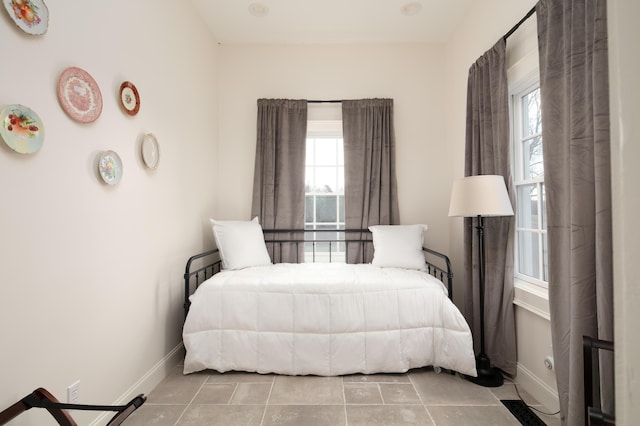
[204,265]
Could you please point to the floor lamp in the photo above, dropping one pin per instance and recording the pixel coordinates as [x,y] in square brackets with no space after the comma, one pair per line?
[481,196]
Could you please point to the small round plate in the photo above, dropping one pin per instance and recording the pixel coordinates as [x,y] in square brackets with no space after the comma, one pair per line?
[31,16]
[129,98]
[21,129]
[110,167]
[150,151]
[79,95]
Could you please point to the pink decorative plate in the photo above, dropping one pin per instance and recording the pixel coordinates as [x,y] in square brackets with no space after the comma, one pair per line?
[79,95]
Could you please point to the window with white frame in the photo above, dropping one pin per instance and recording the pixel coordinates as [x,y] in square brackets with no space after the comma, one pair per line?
[324,190]
[531,224]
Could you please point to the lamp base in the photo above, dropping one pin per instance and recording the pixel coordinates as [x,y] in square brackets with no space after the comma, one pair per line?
[488,376]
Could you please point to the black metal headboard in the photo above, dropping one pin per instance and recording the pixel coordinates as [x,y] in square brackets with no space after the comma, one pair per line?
[322,245]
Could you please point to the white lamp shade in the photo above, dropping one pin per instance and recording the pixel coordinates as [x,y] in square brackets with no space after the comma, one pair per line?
[481,195]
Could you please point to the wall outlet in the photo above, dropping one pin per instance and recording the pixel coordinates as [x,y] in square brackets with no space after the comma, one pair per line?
[73,393]
[548,362]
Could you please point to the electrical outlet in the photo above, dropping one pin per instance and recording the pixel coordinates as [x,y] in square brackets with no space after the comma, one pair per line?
[548,362]
[73,393]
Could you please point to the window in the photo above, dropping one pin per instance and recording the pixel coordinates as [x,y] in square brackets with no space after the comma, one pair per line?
[324,189]
[531,226]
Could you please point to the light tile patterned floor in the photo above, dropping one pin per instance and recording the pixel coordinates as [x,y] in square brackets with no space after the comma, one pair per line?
[419,397]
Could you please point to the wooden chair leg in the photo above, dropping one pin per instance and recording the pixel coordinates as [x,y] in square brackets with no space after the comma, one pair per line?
[62,417]
[12,412]
[132,406]
[41,398]
[32,400]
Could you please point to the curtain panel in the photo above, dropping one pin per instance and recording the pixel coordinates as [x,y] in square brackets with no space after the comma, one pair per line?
[487,152]
[371,195]
[572,40]
[278,180]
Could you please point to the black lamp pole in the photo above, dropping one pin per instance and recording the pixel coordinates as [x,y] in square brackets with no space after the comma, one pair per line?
[487,376]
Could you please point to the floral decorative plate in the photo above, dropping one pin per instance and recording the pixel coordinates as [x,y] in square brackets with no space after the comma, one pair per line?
[110,167]
[31,16]
[21,129]
[79,95]
[129,98]
[150,151]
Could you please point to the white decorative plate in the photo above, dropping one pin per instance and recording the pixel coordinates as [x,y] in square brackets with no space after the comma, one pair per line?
[31,16]
[21,129]
[79,95]
[110,167]
[150,151]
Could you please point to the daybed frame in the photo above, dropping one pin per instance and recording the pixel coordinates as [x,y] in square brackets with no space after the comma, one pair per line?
[203,265]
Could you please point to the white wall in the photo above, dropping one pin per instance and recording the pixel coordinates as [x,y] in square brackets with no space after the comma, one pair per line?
[413,75]
[624,68]
[90,284]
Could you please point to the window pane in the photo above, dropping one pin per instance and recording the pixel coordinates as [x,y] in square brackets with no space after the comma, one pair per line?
[531,115]
[308,208]
[528,254]
[324,183]
[545,256]
[326,208]
[531,244]
[326,235]
[340,180]
[527,206]
[543,207]
[532,165]
[309,152]
[326,152]
[308,180]
[326,180]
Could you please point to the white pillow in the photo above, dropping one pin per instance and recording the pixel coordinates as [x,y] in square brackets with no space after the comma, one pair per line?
[398,246]
[241,243]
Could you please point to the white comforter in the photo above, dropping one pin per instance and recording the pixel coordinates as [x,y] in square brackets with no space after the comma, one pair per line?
[325,319]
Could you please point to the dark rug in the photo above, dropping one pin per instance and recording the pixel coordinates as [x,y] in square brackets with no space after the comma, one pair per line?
[521,412]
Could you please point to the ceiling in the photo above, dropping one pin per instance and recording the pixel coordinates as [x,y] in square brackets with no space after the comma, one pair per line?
[331,21]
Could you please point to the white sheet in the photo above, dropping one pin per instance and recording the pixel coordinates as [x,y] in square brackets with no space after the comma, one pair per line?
[325,319]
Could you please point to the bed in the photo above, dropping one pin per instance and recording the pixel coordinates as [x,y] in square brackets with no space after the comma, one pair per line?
[387,315]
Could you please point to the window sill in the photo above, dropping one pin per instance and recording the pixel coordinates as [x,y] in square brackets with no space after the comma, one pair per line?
[532,298]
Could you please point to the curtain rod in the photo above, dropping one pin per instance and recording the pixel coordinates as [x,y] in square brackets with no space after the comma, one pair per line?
[324,102]
[516,26]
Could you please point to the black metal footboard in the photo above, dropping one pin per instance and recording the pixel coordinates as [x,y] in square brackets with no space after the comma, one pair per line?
[444,273]
[199,267]
[310,246]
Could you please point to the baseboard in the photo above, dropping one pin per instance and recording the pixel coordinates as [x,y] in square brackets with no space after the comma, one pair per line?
[542,392]
[150,380]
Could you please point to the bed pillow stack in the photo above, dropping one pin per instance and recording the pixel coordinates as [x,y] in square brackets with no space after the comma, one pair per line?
[398,246]
[241,243]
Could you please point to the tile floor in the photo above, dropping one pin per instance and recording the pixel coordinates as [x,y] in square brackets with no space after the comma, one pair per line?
[419,397]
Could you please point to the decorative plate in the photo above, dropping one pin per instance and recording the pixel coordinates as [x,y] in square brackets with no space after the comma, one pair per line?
[110,167]
[150,151]
[129,98]
[21,129]
[79,95]
[31,16]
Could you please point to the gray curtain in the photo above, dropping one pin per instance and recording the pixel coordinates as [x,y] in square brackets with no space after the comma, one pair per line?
[371,196]
[572,38]
[278,180]
[487,152]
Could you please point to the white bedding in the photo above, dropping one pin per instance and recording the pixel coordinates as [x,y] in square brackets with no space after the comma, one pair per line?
[325,319]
